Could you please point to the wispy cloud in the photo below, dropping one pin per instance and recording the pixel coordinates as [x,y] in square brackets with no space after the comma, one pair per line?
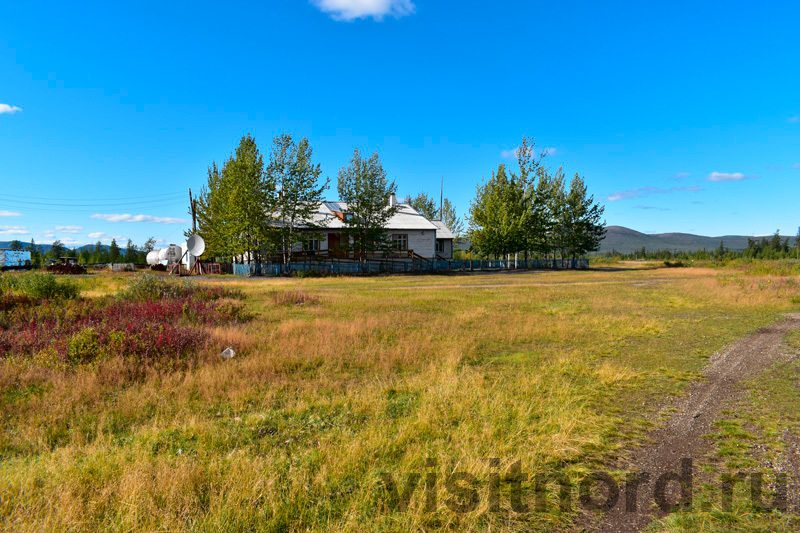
[9,109]
[69,241]
[793,120]
[138,218]
[727,176]
[13,230]
[105,237]
[796,165]
[643,192]
[652,208]
[681,176]
[513,152]
[4,213]
[349,10]
[73,230]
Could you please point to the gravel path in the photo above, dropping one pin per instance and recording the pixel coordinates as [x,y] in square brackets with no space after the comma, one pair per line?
[682,435]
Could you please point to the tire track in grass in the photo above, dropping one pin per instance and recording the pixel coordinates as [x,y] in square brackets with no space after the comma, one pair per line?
[682,436]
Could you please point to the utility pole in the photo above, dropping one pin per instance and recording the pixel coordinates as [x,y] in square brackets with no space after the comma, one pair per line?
[441,201]
[193,207]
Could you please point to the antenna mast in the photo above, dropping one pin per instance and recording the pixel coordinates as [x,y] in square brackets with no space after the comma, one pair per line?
[441,201]
[193,207]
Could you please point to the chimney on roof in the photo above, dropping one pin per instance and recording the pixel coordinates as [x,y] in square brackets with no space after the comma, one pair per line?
[392,200]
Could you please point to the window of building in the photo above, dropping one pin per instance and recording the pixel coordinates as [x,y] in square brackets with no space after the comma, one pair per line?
[439,246]
[311,245]
[400,241]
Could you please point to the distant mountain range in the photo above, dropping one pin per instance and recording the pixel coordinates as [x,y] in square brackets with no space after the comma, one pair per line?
[43,247]
[626,240]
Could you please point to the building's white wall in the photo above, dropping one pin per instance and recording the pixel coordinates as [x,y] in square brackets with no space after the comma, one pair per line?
[423,242]
[447,252]
[323,244]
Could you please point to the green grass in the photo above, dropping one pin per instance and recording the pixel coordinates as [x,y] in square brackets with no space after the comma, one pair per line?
[558,370]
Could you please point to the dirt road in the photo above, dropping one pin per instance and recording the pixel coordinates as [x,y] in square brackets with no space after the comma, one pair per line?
[682,435]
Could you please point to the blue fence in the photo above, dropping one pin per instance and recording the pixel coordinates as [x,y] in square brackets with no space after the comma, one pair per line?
[400,267]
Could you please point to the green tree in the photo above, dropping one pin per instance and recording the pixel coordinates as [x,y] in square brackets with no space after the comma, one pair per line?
[15,245]
[114,254]
[57,249]
[425,205]
[581,221]
[99,254]
[131,253]
[538,197]
[451,219]
[365,188]
[299,192]
[36,254]
[498,215]
[235,207]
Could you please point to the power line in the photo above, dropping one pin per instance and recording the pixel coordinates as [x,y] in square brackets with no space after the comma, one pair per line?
[82,209]
[22,203]
[153,196]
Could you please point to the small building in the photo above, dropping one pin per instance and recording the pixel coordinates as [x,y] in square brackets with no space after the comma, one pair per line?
[412,235]
[444,240]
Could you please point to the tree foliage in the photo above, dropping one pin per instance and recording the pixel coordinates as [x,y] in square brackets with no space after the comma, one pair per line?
[235,207]
[299,192]
[365,188]
[425,205]
[532,211]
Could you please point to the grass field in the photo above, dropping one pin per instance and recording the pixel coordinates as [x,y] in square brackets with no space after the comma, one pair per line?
[373,380]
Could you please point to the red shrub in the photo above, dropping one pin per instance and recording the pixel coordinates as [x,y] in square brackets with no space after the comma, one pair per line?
[147,330]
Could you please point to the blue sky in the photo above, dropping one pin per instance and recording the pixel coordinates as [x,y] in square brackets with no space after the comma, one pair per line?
[681,116]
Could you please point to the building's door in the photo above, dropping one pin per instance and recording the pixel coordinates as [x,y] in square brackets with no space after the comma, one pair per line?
[333,244]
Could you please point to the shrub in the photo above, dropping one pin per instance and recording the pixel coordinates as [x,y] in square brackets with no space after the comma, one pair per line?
[84,346]
[44,286]
[147,286]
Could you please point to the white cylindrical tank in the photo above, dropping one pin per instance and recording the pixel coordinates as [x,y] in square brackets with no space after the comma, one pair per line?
[152,257]
[173,253]
[162,254]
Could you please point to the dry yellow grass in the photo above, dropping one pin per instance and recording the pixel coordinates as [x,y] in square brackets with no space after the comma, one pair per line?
[558,370]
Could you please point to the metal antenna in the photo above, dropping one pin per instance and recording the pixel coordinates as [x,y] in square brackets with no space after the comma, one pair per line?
[193,207]
[441,201]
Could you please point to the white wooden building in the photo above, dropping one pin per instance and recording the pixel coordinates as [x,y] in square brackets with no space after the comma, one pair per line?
[412,235]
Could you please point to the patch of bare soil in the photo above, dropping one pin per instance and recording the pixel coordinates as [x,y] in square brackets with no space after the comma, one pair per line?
[681,437]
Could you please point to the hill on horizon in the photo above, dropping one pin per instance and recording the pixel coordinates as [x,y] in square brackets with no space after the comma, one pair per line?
[619,238]
[626,240]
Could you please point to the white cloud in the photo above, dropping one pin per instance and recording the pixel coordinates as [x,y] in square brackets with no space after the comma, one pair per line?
[4,213]
[105,237]
[796,165]
[13,230]
[69,241]
[73,230]
[349,10]
[512,153]
[138,218]
[642,192]
[726,176]
[9,109]
[681,176]
[793,120]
